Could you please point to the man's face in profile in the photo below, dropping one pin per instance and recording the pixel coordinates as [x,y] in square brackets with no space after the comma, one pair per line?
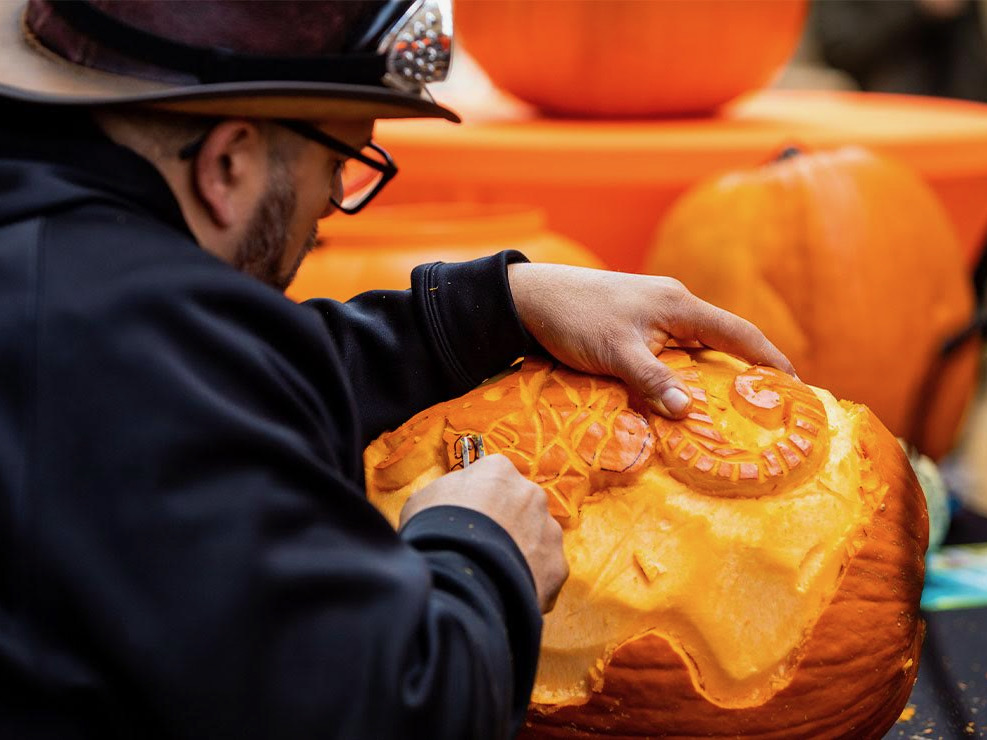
[302,177]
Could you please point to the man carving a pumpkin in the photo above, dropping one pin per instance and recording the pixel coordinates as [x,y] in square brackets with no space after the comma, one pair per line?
[185,545]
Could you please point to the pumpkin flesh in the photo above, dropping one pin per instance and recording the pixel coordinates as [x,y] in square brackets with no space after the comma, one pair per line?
[707,556]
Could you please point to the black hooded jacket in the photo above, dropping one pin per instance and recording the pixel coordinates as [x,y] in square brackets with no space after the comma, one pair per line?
[185,546]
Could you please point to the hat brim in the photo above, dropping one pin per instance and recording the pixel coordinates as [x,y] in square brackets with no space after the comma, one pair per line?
[33,74]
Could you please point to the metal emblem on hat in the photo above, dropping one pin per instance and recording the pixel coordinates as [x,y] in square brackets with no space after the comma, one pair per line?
[419,47]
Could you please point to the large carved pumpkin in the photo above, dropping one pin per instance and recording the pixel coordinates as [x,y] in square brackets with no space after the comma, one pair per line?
[753,570]
[849,264]
[621,58]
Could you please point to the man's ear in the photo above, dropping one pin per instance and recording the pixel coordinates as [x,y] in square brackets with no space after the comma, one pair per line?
[230,171]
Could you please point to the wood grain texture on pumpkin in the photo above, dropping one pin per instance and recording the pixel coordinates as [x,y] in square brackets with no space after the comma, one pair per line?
[752,570]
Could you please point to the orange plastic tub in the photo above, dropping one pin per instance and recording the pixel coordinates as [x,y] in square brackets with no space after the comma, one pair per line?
[380,247]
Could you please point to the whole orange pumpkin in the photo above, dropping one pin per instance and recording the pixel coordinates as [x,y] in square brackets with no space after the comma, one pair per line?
[623,58]
[849,264]
[753,570]
[378,249]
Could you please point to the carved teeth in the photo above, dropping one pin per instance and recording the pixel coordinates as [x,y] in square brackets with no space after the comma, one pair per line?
[749,471]
[807,426]
[708,432]
[789,455]
[802,443]
[688,452]
[772,463]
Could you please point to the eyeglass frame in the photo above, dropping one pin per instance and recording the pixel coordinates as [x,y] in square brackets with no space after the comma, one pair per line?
[387,168]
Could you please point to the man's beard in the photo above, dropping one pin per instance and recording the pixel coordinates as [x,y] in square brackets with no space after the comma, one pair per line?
[260,252]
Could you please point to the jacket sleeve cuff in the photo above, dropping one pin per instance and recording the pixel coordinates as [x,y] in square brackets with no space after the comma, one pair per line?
[500,569]
[471,315]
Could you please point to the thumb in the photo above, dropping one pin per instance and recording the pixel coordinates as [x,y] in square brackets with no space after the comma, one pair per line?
[654,380]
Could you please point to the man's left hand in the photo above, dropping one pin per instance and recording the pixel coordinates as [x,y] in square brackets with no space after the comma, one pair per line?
[612,323]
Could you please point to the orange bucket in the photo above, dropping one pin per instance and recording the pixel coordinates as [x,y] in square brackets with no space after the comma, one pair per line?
[379,248]
[608,184]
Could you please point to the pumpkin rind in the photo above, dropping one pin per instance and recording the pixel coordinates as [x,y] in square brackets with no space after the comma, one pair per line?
[670,560]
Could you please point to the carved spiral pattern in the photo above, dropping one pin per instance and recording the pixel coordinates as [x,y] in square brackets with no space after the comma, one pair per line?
[748,431]
[561,430]
[715,445]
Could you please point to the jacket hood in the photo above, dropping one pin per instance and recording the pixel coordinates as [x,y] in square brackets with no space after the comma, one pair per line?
[53,160]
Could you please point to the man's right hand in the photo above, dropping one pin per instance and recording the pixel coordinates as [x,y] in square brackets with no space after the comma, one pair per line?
[494,487]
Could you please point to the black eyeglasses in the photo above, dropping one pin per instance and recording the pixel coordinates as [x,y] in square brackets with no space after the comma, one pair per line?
[361,175]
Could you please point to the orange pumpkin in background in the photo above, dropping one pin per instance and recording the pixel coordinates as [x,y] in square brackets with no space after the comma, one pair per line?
[378,249]
[624,58]
[849,264]
[753,570]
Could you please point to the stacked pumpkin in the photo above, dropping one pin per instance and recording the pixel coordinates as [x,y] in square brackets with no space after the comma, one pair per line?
[849,264]
[753,570]
[624,58]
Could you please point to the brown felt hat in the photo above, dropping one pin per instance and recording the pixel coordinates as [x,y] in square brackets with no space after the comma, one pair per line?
[307,59]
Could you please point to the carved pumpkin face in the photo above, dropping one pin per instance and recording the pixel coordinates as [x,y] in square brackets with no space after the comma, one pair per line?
[754,569]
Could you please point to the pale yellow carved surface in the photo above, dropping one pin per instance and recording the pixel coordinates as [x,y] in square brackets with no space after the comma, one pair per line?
[726,532]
